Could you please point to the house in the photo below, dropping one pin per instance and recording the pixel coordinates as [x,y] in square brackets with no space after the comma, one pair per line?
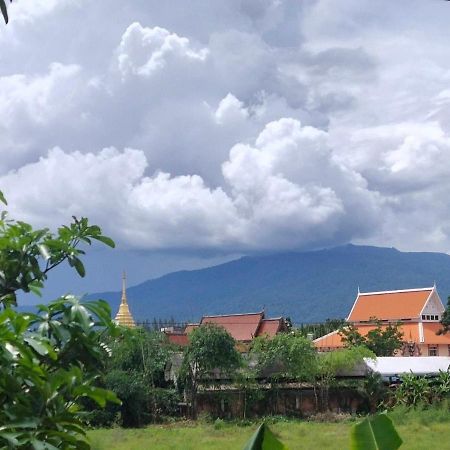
[242,327]
[418,311]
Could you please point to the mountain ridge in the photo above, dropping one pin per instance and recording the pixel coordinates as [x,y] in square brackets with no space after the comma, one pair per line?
[306,286]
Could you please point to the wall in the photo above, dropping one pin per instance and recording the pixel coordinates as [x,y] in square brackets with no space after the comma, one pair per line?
[298,402]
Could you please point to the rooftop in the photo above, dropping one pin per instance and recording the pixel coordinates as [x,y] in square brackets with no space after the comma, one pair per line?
[389,305]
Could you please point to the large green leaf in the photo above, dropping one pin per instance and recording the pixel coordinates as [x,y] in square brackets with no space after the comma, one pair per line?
[264,439]
[375,433]
[5,16]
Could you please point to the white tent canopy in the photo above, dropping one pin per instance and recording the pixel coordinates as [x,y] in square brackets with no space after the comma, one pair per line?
[390,366]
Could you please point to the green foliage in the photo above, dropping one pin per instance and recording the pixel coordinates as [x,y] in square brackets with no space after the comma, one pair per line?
[46,372]
[264,439]
[375,433]
[320,329]
[135,372]
[445,320]
[413,390]
[27,255]
[285,356]
[331,363]
[441,386]
[211,348]
[375,390]
[383,341]
[49,360]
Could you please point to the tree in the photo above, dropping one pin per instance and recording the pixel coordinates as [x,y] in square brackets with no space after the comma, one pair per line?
[135,372]
[285,356]
[445,320]
[28,255]
[332,363]
[49,360]
[383,341]
[211,348]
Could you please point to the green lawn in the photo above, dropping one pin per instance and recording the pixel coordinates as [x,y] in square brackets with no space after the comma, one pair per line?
[426,430]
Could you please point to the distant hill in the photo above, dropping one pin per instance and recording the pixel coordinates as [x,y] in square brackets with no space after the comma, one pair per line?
[307,286]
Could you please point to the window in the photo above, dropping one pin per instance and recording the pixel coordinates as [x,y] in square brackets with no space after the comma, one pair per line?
[423,316]
[432,350]
[428,317]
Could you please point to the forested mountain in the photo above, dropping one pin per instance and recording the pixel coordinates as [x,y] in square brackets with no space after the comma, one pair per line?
[307,286]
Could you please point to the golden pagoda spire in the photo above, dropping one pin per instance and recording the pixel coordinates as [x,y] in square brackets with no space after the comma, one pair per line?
[124,316]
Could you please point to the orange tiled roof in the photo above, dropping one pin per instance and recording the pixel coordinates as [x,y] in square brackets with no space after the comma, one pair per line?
[410,333]
[243,327]
[334,339]
[190,327]
[389,305]
[270,327]
[430,336]
[329,341]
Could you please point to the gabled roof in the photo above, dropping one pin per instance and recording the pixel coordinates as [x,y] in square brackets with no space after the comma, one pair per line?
[270,327]
[389,305]
[243,327]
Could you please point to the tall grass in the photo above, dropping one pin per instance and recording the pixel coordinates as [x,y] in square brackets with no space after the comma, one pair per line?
[421,428]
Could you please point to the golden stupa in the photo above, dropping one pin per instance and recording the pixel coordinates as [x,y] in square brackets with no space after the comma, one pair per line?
[123,316]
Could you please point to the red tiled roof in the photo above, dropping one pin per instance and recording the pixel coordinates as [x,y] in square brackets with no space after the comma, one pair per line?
[389,305]
[270,327]
[178,339]
[243,327]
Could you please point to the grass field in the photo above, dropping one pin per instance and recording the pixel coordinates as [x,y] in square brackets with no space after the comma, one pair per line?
[420,430]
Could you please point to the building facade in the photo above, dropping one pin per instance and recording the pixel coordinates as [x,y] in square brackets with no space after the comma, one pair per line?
[418,311]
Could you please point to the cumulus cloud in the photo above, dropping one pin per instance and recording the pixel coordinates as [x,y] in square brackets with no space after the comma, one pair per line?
[285,190]
[143,50]
[201,93]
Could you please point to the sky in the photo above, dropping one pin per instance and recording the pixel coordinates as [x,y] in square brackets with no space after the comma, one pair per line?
[197,131]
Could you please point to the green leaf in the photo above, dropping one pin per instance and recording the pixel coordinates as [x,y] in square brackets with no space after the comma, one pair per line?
[3,8]
[375,433]
[35,287]
[106,240]
[264,439]
[99,395]
[41,347]
[79,267]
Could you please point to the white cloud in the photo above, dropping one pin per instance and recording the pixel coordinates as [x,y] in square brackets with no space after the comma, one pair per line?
[142,50]
[274,199]
[368,82]
[230,109]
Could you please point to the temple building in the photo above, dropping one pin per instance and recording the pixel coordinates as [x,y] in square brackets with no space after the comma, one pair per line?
[123,316]
[418,311]
[242,327]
